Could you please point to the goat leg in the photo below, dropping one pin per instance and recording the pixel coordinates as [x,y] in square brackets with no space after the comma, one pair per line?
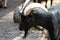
[46,4]
[25,34]
[51,2]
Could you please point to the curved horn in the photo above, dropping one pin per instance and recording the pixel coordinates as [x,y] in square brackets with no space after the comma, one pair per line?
[32,6]
[24,5]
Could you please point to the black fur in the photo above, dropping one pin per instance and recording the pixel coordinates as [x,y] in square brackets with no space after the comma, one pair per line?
[36,17]
[26,25]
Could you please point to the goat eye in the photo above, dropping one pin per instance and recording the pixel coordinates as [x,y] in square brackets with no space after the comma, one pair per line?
[29,19]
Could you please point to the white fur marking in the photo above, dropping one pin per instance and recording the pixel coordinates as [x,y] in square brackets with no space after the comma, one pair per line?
[21,8]
[26,2]
[32,6]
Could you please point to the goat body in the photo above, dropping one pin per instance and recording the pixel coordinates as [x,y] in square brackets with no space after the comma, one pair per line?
[55,10]
[37,17]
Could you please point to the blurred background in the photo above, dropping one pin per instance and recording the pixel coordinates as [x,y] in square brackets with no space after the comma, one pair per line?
[9,30]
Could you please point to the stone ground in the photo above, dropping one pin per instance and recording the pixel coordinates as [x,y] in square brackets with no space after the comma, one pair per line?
[9,30]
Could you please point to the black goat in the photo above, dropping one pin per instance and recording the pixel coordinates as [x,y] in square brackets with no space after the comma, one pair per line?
[24,19]
[50,21]
[39,1]
[37,18]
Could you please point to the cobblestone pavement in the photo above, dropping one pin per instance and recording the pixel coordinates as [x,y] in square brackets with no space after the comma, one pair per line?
[9,29]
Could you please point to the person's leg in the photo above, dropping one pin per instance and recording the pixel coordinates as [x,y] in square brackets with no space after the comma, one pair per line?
[5,3]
